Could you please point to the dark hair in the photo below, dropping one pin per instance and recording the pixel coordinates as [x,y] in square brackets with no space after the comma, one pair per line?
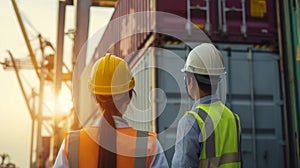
[204,82]
[107,157]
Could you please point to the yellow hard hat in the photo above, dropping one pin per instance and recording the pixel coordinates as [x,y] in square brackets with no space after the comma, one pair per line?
[110,75]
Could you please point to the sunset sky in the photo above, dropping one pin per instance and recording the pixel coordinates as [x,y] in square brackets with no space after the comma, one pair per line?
[15,128]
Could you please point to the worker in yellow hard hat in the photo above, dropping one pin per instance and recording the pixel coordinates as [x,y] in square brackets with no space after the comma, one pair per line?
[116,143]
[209,134]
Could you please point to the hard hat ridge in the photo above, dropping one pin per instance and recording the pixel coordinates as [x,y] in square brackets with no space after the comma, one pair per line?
[110,75]
[205,59]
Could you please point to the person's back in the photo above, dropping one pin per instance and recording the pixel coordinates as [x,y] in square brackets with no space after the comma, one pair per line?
[82,150]
[208,135]
[113,143]
[219,134]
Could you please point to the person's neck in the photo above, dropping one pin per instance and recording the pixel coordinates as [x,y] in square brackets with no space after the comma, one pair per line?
[200,95]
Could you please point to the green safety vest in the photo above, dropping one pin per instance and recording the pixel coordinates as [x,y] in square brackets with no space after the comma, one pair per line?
[220,134]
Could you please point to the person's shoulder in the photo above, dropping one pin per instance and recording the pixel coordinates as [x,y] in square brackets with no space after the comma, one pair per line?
[187,118]
[146,133]
[187,122]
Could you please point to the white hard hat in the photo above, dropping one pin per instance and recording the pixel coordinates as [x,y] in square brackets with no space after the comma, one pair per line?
[205,59]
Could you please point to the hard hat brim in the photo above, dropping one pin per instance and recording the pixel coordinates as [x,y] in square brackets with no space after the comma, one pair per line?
[111,90]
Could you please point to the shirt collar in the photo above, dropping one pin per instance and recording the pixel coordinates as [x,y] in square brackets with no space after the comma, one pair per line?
[119,121]
[205,100]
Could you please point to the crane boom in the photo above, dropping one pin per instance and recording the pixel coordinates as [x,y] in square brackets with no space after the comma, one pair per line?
[31,54]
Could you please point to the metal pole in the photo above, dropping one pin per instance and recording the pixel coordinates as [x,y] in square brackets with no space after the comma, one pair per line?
[32,129]
[39,120]
[290,159]
[81,31]
[80,38]
[188,25]
[58,59]
[244,26]
[251,77]
[224,16]
[31,54]
[153,83]
[39,147]
[220,26]
[229,52]
[31,142]
[207,27]
[58,63]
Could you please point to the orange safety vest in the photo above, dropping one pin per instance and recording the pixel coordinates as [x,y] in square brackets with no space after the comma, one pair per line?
[82,151]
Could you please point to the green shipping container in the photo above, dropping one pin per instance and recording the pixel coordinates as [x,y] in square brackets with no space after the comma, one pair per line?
[290,18]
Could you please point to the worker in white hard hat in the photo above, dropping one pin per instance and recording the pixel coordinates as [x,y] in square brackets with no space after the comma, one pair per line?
[209,134]
[112,144]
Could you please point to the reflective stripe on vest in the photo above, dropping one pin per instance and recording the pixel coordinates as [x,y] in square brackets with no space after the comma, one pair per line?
[73,148]
[220,130]
[82,151]
[141,160]
[226,158]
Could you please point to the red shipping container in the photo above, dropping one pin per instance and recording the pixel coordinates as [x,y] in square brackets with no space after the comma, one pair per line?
[235,21]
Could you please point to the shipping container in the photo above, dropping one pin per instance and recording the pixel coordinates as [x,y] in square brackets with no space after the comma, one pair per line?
[252,21]
[290,49]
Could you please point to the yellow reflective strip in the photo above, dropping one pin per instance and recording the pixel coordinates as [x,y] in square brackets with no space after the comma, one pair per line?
[218,161]
[229,158]
[203,132]
[199,121]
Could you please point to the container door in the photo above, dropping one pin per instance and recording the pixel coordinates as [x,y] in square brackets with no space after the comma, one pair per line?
[254,94]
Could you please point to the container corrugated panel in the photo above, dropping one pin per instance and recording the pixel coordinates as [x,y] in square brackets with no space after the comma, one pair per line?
[170,60]
[139,112]
[255,73]
[226,19]
[116,34]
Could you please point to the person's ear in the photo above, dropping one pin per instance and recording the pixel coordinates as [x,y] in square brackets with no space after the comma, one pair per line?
[192,82]
[188,80]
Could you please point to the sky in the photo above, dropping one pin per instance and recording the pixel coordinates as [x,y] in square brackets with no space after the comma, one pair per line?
[15,121]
